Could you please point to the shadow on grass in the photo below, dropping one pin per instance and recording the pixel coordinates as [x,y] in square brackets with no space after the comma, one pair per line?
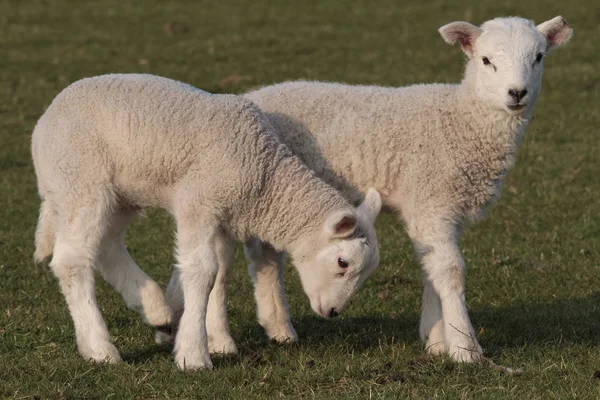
[165,351]
[360,333]
[564,322]
[561,323]
[147,353]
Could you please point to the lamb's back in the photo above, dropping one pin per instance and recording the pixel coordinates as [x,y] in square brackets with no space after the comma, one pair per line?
[145,131]
[364,136]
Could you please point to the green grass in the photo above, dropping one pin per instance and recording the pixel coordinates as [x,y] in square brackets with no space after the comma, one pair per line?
[533,265]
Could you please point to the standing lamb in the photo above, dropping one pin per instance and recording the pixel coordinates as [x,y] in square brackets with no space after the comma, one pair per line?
[437,153]
[110,145]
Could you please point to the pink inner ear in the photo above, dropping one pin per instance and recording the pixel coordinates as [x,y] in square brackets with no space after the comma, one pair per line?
[557,36]
[465,42]
[557,33]
[347,223]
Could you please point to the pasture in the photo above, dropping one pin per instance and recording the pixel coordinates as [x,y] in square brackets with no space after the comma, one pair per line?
[533,265]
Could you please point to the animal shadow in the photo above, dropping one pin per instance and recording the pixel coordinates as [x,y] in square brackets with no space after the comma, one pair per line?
[560,323]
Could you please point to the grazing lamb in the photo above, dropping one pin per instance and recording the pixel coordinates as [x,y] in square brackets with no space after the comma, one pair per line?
[437,153]
[109,145]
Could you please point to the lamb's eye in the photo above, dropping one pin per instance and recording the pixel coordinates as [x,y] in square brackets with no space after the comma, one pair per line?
[342,263]
[486,61]
[539,57]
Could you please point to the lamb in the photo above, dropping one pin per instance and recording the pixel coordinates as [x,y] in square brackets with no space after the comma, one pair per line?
[108,146]
[437,154]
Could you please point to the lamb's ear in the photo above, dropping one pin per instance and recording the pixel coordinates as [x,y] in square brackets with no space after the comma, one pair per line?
[556,31]
[340,224]
[371,205]
[463,32]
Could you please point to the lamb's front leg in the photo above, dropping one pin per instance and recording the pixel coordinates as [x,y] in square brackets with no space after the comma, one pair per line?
[198,267]
[431,329]
[217,323]
[444,272]
[265,267]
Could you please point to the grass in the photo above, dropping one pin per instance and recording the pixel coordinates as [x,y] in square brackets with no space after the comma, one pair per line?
[533,264]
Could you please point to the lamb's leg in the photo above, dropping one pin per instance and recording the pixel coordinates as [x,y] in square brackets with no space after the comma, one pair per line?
[77,244]
[265,266]
[174,298]
[217,323]
[432,326]
[444,268]
[198,266]
[140,292]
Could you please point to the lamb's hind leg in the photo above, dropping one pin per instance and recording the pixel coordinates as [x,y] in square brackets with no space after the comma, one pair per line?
[140,292]
[78,242]
[174,298]
[265,266]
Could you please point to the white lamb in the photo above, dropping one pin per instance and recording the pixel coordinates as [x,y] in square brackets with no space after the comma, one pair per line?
[108,146]
[437,153]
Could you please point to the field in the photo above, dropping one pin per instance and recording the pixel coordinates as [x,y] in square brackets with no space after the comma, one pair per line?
[533,265]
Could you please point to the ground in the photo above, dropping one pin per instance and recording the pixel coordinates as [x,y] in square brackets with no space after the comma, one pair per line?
[533,265]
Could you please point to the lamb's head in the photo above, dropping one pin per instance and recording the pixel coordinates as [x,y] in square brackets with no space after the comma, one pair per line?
[506,58]
[335,261]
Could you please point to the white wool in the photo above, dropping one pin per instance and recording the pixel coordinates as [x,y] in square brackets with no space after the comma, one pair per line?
[108,146]
[437,153]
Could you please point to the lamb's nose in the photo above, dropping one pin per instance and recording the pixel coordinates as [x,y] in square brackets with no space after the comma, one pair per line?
[333,313]
[517,94]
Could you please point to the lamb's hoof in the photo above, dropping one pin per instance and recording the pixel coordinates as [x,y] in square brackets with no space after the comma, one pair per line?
[164,335]
[282,333]
[193,362]
[101,353]
[285,338]
[222,348]
[435,348]
[467,355]
[434,340]
[154,308]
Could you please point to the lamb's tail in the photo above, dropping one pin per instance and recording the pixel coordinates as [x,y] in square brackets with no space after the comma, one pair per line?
[45,234]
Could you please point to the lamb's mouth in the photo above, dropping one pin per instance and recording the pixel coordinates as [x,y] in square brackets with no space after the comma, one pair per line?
[516,107]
